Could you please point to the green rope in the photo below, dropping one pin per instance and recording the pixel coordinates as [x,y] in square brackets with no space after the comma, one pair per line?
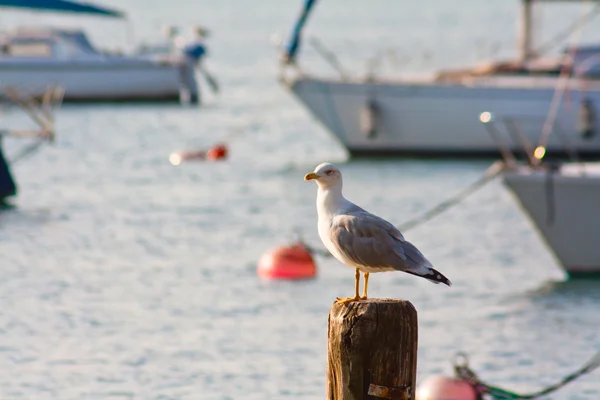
[463,372]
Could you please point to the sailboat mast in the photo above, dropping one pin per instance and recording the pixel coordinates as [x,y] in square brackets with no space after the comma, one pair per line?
[526,31]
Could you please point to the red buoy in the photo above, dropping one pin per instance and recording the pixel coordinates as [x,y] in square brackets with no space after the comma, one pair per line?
[291,262]
[217,152]
[440,387]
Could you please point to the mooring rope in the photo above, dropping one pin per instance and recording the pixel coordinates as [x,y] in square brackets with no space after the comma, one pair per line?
[562,86]
[26,152]
[564,35]
[490,174]
[465,373]
[487,176]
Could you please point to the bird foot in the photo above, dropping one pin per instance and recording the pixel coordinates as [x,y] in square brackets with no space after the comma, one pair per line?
[344,300]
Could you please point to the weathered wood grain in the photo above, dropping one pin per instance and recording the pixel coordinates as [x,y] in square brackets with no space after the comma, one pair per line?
[372,346]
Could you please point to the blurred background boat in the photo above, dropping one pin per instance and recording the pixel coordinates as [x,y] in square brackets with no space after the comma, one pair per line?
[561,198]
[563,202]
[435,115]
[31,59]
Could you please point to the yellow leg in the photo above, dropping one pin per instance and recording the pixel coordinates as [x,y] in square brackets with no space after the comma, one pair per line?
[365,289]
[356,285]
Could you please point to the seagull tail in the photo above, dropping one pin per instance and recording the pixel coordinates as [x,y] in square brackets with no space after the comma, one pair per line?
[432,275]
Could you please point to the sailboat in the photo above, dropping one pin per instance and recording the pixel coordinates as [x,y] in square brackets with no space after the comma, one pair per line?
[31,59]
[437,115]
[563,202]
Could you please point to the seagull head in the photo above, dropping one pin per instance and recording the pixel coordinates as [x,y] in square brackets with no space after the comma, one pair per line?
[326,175]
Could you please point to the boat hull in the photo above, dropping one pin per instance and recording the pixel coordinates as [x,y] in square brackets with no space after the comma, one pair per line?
[564,208]
[441,119]
[7,184]
[101,80]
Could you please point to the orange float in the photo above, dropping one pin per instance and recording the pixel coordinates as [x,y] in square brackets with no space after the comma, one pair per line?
[440,387]
[215,153]
[290,262]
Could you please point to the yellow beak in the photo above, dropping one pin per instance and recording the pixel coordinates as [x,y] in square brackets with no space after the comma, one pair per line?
[310,176]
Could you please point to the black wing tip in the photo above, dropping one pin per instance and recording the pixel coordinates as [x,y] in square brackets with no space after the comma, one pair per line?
[433,276]
[438,277]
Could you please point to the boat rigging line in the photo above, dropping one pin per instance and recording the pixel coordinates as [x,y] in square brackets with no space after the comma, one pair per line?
[562,86]
[40,112]
[561,36]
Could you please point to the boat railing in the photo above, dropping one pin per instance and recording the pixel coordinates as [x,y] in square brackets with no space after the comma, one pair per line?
[508,134]
[40,108]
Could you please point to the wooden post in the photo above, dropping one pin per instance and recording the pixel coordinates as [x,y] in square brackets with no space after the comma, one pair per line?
[372,350]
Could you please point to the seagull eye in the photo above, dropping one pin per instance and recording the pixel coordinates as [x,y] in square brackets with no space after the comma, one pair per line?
[330,172]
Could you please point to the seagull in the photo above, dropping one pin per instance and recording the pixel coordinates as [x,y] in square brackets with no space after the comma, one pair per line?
[363,240]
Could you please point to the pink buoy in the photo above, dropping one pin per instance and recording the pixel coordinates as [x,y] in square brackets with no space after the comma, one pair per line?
[291,262]
[440,387]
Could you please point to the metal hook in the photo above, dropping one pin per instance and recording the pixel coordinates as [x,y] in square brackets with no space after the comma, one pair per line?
[461,360]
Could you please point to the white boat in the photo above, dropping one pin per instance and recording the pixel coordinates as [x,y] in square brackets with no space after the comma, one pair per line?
[561,198]
[436,115]
[564,205]
[32,59]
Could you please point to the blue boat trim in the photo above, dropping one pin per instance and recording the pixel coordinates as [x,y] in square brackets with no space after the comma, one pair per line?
[63,6]
[294,43]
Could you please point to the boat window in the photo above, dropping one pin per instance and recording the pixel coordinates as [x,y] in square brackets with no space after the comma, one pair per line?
[26,50]
[63,49]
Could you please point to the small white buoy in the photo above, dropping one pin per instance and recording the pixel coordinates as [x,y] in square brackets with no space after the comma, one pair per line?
[439,387]
[215,153]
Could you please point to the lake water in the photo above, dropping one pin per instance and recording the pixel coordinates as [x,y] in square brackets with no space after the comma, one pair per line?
[124,277]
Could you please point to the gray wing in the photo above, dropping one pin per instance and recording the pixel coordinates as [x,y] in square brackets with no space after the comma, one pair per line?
[373,242]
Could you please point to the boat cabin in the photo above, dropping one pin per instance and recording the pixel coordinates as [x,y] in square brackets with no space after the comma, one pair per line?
[582,61]
[46,43]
